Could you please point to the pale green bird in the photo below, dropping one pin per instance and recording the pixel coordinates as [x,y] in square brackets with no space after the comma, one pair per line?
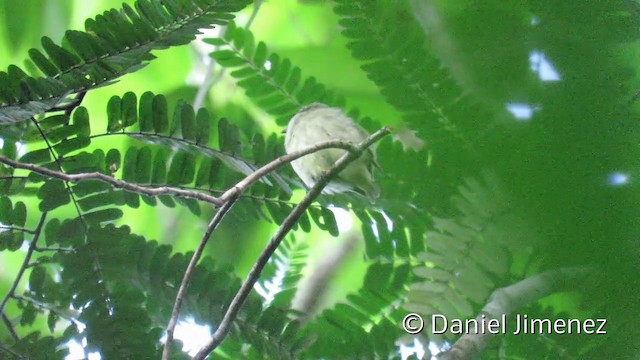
[318,123]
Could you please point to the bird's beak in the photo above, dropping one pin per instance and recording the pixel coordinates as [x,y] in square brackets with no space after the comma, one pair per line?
[284,131]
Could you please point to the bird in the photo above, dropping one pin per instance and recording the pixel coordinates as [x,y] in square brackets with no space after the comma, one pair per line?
[317,123]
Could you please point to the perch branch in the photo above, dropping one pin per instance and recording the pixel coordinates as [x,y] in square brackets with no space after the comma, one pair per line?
[254,274]
[25,263]
[243,184]
[10,328]
[505,300]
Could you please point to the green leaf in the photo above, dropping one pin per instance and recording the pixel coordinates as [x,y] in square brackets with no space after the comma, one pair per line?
[19,214]
[28,315]
[59,134]
[145,112]
[16,241]
[63,59]
[53,194]
[36,279]
[52,319]
[160,114]
[40,156]
[202,176]
[114,114]
[188,123]
[227,58]
[129,108]
[53,121]
[6,210]
[159,173]
[203,121]
[51,231]
[103,215]
[84,45]
[81,122]
[177,117]
[182,169]
[74,232]
[6,237]
[229,137]
[71,145]
[129,167]
[97,200]
[43,63]
[113,160]
[143,166]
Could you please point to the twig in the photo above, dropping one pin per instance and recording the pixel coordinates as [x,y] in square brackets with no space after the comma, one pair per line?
[505,300]
[16,228]
[25,263]
[68,314]
[10,327]
[54,249]
[286,226]
[182,290]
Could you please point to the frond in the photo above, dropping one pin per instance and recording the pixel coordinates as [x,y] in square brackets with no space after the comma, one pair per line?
[273,83]
[113,44]
[469,256]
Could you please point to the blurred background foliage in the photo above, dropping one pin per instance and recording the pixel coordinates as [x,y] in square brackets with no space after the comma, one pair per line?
[514,152]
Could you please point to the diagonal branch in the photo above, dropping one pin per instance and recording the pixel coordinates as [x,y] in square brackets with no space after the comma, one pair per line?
[10,327]
[286,226]
[25,263]
[182,290]
[505,300]
[229,198]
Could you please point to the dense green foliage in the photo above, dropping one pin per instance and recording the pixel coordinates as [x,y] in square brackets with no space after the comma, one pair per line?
[514,153]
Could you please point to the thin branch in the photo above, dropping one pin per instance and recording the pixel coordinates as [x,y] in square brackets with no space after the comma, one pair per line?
[16,228]
[286,226]
[54,249]
[505,300]
[25,263]
[112,181]
[68,314]
[182,290]
[237,189]
[10,327]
